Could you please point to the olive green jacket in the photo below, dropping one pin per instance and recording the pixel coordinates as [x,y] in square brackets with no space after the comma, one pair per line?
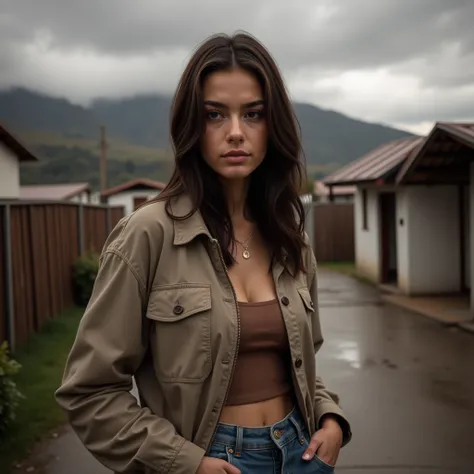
[164,311]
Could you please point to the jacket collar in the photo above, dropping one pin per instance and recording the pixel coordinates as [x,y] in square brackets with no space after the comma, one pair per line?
[188,229]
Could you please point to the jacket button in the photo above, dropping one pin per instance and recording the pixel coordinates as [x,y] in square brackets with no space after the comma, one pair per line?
[178,309]
[298,363]
[285,301]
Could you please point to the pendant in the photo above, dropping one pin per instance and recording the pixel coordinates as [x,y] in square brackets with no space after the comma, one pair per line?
[246,254]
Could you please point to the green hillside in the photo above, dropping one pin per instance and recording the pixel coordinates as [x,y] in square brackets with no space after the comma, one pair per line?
[66,136]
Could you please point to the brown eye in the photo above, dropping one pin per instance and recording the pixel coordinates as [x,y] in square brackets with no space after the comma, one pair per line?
[213,115]
[254,114]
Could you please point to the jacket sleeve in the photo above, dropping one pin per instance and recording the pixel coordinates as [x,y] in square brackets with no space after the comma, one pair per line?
[326,402]
[95,391]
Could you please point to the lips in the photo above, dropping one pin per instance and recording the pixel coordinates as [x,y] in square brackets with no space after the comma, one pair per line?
[236,157]
[235,153]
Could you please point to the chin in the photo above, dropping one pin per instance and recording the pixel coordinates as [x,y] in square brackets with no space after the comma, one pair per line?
[235,173]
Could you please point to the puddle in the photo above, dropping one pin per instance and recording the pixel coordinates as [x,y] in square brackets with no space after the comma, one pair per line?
[349,351]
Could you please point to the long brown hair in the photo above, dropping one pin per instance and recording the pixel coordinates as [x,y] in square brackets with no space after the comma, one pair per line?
[273,197]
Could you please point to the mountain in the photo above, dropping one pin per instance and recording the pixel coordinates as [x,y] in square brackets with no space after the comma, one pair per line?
[142,120]
[27,110]
[332,138]
[137,131]
[328,137]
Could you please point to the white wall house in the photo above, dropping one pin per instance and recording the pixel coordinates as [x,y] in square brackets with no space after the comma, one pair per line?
[414,206]
[132,194]
[12,153]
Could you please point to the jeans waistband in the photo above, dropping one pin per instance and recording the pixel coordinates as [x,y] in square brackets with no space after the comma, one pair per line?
[242,438]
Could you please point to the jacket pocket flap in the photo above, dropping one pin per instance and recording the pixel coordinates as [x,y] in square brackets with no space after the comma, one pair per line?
[176,302]
[306,297]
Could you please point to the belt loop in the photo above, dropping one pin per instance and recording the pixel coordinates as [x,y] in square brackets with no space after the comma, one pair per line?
[239,441]
[299,430]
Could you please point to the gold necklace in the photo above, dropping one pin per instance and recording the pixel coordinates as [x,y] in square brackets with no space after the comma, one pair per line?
[245,253]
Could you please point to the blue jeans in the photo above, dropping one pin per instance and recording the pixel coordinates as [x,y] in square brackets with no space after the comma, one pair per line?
[268,450]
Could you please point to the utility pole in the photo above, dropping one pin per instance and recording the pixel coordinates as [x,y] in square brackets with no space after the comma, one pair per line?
[103,161]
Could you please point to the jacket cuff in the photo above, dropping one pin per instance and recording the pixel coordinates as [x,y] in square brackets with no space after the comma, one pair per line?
[188,459]
[324,409]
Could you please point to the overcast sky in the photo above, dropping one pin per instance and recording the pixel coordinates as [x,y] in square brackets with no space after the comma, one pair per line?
[406,63]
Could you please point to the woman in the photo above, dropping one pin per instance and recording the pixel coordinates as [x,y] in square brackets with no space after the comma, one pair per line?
[207,296]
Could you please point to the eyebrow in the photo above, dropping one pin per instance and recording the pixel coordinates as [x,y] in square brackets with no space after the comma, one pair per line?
[219,105]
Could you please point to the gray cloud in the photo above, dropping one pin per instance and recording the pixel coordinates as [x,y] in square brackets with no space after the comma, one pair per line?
[76,47]
[352,33]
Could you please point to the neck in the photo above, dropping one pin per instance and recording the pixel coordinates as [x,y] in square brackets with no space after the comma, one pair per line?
[236,196]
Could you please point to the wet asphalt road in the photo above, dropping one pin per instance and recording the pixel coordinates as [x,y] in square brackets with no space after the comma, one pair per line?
[406,383]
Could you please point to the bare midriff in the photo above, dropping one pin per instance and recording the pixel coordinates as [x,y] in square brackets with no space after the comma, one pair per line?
[261,389]
[258,414]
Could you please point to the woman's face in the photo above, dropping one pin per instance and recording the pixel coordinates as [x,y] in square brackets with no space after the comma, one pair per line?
[235,137]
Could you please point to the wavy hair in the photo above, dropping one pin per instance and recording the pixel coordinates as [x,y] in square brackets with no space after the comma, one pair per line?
[273,200]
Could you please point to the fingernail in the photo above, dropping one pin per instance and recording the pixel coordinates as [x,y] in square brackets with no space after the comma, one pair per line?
[307,457]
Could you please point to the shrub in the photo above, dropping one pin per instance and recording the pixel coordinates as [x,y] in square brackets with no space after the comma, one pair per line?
[9,395]
[84,274]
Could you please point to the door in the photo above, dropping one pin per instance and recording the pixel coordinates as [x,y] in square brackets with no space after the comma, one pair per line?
[138,201]
[388,238]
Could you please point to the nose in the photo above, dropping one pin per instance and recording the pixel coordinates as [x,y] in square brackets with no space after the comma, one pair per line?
[235,134]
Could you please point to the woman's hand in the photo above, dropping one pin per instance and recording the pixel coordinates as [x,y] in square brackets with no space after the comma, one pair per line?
[326,442]
[216,466]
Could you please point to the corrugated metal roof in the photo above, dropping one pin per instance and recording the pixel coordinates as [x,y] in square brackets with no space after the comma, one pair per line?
[144,182]
[463,132]
[375,164]
[52,192]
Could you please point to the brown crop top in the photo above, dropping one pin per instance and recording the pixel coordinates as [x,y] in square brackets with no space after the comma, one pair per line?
[262,369]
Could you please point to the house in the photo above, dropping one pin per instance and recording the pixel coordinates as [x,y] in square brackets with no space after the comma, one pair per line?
[323,193]
[12,153]
[132,194]
[73,192]
[414,212]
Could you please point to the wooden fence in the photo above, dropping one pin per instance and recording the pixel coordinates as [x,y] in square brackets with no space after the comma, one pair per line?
[333,232]
[39,242]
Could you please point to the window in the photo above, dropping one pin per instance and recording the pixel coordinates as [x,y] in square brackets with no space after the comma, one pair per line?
[365,225]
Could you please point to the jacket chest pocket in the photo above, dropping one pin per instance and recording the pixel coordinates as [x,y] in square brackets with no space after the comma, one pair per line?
[181,332]
[312,316]
[307,301]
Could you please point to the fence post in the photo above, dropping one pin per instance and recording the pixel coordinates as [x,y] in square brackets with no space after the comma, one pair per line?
[309,220]
[80,228]
[9,279]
